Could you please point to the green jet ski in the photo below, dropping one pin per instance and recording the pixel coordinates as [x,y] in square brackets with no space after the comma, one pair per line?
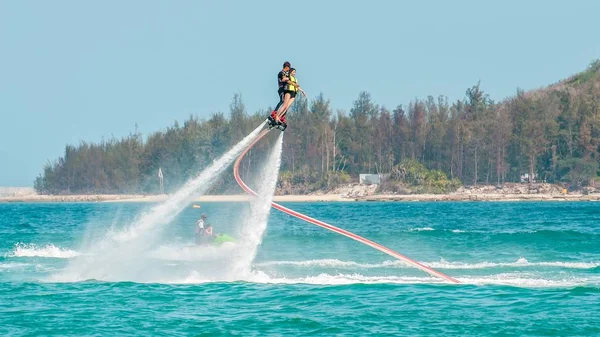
[222,238]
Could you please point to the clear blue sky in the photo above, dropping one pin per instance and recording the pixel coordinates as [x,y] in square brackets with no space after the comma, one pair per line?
[82,70]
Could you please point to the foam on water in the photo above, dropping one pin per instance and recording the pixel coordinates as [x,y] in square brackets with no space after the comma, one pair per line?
[421,229]
[525,281]
[504,279]
[13,265]
[50,250]
[520,263]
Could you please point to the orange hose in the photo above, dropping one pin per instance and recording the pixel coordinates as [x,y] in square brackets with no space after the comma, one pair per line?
[332,228]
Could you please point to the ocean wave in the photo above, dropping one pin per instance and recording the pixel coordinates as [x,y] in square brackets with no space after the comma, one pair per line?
[517,280]
[544,232]
[507,279]
[321,279]
[201,276]
[344,279]
[25,267]
[442,264]
[13,265]
[521,262]
[421,229]
[50,250]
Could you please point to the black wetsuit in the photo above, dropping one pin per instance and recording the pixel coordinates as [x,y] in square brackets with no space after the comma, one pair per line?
[282,84]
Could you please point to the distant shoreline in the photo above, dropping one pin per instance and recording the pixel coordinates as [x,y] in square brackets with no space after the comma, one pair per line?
[305,198]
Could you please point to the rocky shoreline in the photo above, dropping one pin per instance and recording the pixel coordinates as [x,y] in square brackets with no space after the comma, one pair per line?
[485,197]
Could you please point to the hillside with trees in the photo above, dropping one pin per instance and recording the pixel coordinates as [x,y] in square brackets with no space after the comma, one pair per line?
[551,134]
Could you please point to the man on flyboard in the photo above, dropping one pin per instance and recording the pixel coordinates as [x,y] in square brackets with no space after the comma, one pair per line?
[288,87]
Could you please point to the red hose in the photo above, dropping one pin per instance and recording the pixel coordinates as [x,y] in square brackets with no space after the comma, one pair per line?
[330,227]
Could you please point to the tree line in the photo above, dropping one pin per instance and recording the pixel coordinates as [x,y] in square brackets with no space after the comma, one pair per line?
[550,134]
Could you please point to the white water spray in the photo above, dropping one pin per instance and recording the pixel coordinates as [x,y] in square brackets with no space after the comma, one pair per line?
[253,228]
[121,254]
[168,210]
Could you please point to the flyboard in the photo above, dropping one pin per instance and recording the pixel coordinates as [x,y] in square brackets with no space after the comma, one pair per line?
[332,228]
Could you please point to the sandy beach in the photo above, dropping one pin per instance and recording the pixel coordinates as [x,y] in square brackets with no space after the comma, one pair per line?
[346,193]
[309,198]
[160,198]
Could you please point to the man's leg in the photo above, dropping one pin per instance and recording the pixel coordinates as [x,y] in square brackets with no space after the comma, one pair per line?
[280,100]
[283,107]
[273,115]
[288,105]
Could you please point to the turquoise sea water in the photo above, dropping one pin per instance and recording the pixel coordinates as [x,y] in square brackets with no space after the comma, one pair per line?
[528,269]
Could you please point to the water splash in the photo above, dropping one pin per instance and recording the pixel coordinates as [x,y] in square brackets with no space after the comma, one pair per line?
[253,228]
[33,250]
[168,210]
[123,254]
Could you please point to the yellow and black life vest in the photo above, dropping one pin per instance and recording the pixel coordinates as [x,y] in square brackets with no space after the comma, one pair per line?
[291,86]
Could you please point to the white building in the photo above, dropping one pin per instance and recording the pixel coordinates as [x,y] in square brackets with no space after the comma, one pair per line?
[370,179]
[525,178]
